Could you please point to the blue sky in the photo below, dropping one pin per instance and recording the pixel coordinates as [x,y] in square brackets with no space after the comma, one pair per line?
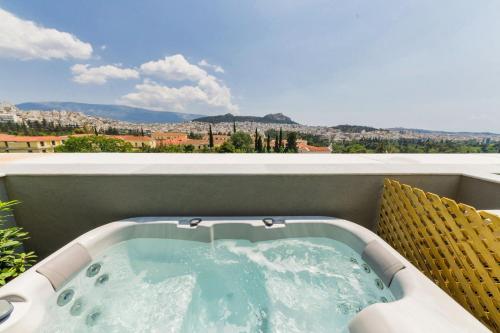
[420,64]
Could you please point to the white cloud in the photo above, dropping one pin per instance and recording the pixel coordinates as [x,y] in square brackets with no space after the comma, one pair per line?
[215,68]
[157,97]
[99,75]
[25,40]
[173,68]
[153,95]
[206,89]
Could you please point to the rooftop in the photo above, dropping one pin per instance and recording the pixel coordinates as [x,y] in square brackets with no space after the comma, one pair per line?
[16,138]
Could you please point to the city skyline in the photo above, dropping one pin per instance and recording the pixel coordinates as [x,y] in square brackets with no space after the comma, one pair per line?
[416,65]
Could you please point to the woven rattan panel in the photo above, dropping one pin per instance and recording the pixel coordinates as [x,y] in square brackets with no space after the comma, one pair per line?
[453,244]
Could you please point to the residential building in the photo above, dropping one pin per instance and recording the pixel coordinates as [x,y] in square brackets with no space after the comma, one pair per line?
[9,118]
[219,139]
[198,144]
[29,144]
[169,138]
[137,142]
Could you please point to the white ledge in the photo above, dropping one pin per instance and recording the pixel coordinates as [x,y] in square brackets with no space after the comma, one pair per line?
[484,166]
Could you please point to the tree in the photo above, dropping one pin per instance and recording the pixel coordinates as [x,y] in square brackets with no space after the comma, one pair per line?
[210,137]
[234,127]
[142,132]
[94,144]
[291,143]
[280,144]
[256,138]
[242,141]
[259,147]
[226,147]
[195,136]
[188,148]
[268,143]
[276,144]
[111,131]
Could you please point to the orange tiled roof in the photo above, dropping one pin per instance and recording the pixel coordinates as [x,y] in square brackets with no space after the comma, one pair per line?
[20,138]
[314,149]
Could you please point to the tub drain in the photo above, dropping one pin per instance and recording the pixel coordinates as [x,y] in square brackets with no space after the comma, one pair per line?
[343,308]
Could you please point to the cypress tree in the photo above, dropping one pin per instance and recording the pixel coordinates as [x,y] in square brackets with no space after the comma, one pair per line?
[280,144]
[256,139]
[291,143]
[268,143]
[260,147]
[234,127]
[210,137]
[276,144]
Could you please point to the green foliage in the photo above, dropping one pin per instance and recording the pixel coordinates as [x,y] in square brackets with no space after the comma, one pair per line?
[111,131]
[415,146]
[291,143]
[210,137]
[242,142]
[226,147]
[12,261]
[276,144]
[37,128]
[195,136]
[94,144]
[169,149]
[354,128]
[188,148]
[259,145]
[280,142]
[315,140]
[268,143]
[312,139]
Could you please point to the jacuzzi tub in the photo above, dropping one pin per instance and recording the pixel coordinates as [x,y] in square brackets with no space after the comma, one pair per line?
[279,274]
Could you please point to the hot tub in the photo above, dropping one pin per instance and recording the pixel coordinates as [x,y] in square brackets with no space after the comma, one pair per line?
[252,274]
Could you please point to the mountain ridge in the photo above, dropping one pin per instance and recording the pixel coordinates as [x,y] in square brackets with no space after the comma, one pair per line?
[111,111]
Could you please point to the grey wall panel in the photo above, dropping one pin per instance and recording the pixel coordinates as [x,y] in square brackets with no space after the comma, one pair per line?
[56,209]
[479,193]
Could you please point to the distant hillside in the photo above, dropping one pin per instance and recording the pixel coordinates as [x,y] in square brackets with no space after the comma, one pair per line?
[354,128]
[275,118]
[424,131]
[117,112]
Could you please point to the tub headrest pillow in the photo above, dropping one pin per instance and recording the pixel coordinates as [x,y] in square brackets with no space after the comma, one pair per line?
[383,262]
[65,265]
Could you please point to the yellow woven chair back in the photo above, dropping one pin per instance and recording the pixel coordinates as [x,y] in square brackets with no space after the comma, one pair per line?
[455,245]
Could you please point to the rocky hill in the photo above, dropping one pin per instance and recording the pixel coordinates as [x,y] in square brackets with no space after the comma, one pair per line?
[274,118]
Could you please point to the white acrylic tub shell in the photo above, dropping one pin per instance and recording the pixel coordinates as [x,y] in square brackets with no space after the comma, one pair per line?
[421,306]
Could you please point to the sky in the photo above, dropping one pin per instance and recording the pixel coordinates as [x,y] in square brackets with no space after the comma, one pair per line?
[416,63]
